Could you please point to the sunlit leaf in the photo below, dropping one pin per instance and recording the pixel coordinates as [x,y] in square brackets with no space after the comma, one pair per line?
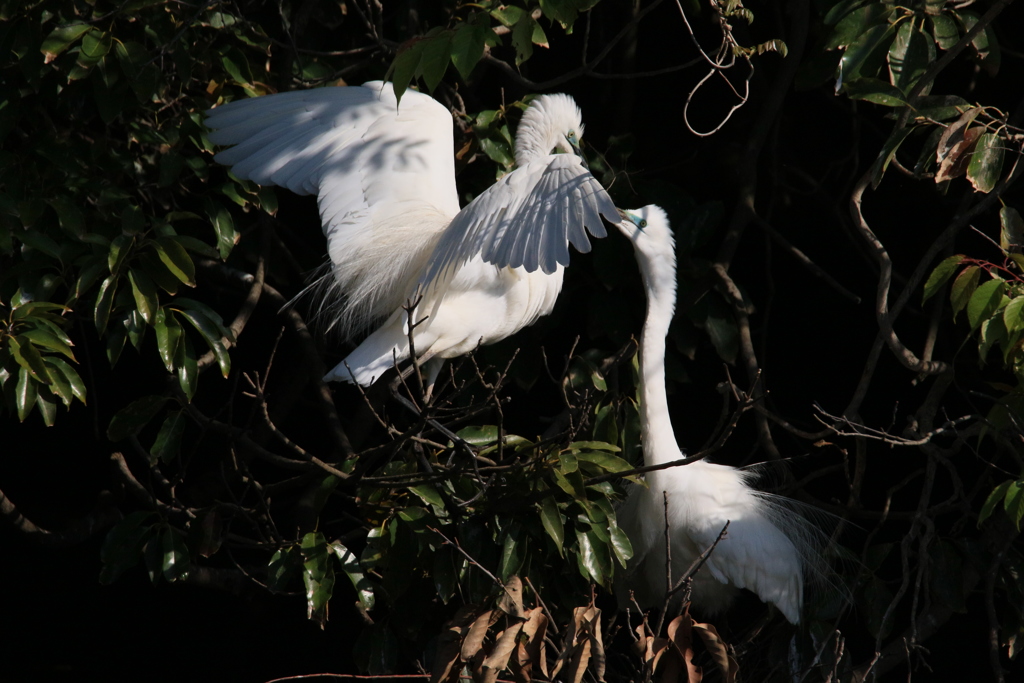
[986,164]
[61,39]
[940,275]
[963,288]
[984,301]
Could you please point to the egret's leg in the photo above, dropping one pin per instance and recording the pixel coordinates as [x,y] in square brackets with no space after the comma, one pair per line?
[431,369]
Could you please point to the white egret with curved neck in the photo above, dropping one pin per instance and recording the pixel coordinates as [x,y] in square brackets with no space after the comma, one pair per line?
[764,547]
[384,177]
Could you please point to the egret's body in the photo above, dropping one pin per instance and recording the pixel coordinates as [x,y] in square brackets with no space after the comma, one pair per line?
[384,177]
[760,550]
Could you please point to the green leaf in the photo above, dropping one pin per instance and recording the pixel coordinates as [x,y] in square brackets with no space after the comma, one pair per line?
[939,108]
[284,565]
[59,384]
[61,39]
[963,287]
[865,55]
[403,69]
[177,260]
[188,370]
[42,336]
[588,557]
[29,358]
[483,435]
[132,220]
[553,523]
[991,332]
[47,407]
[169,338]
[434,59]
[156,269]
[210,332]
[840,10]
[909,56]
[940,275]
[1013,502]
[1011,229]
[1013,315]
[175,555]
[984,302]
[146,298]
[70,216]
[944,30]
[606,461]
[567,462]
[620,544]
[876,91]
[24,394]
[512,553]
[522,37]
[136,63]
[428,494]
[468,44]
[350,565]
[168,439]
[71,375]
[317,575]
[123,545]
[223,226]
[888,152]
[104,300]
[855,23]
[986,163]
[131,419]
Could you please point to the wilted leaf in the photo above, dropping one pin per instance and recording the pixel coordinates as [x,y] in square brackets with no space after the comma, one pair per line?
[511,599]
[474,640]
[719,651]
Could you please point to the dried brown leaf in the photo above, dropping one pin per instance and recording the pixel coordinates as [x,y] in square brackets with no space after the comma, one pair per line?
[955,163]
[530,648]
[680,632]
[448,660]
[474,640]
[578,664]
[495,662]
[719,651]
[511,600]
[597,647]
[954,134]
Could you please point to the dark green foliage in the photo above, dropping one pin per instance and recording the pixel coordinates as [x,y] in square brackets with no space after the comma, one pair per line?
[145,286]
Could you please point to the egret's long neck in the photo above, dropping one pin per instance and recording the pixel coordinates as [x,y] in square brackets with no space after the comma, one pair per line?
[659,275]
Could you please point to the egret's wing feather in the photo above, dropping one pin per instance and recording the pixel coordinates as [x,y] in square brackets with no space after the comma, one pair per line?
[384,177]
[527,219]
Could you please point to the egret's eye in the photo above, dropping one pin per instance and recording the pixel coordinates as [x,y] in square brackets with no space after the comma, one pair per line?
[643,223]
[571,135]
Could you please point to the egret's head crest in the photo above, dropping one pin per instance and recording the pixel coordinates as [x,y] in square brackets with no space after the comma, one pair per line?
[551,123]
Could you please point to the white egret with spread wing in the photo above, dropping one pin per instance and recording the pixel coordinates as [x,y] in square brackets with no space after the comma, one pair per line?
[764,549]
[384,177]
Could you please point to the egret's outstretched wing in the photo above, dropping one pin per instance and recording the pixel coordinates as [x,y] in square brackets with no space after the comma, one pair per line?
[384,177]
[527,219]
